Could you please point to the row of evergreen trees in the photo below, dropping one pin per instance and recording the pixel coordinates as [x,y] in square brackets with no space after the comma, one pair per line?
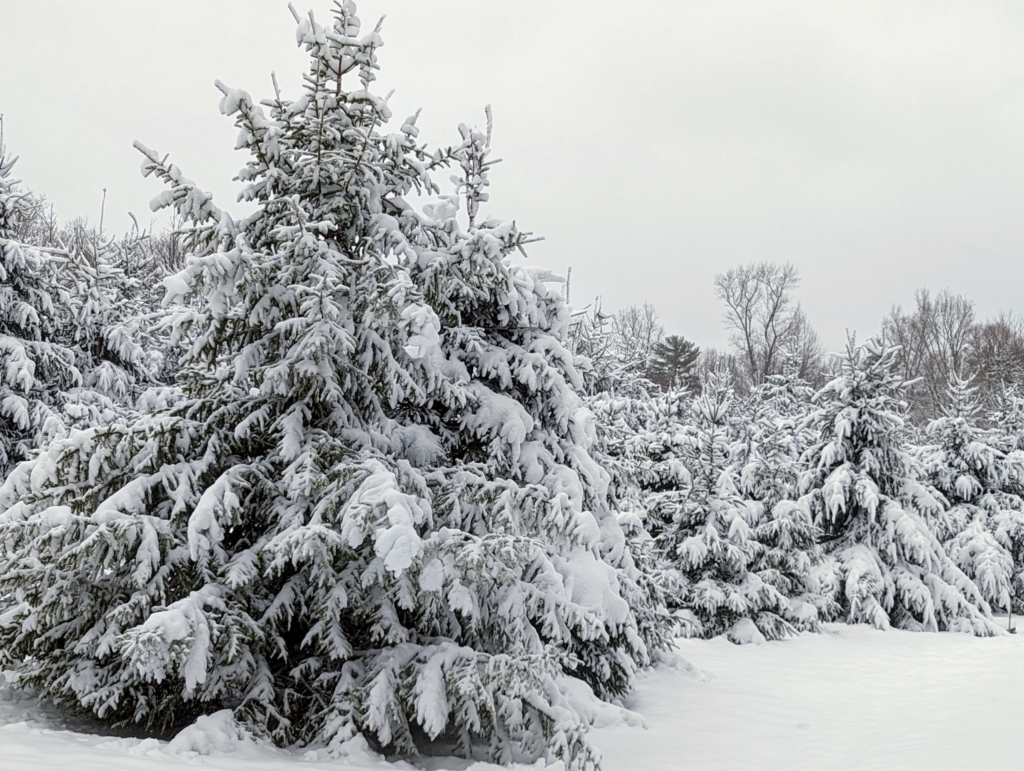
[789,507]
[355,478]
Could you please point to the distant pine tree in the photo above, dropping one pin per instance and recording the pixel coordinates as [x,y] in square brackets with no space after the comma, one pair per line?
[674,364]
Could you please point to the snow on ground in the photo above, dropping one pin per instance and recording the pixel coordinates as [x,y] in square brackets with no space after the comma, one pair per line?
[851,698]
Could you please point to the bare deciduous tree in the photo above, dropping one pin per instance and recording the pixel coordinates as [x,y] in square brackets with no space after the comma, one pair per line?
[936,341]
[637,329]
[768,327]
[997,355]
[36,222]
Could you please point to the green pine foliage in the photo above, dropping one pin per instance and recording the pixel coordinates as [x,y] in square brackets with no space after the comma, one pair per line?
[674,364]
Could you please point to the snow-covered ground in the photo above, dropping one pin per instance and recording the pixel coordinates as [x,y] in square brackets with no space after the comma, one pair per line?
[852,698]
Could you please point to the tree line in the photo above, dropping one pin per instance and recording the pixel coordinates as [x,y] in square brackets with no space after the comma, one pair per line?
[938,340]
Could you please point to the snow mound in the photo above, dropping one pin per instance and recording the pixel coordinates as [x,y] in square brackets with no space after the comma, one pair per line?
[216,733]
[597,713]
[744,632]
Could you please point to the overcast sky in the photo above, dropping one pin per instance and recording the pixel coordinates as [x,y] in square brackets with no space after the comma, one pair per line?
[878,146]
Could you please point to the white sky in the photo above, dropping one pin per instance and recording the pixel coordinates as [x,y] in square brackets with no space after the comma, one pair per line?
[878,146]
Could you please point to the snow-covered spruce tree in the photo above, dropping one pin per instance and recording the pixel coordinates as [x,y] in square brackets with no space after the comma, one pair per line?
[104,333]
[644,443]
[1006,417]
[135,266]
[374,512]
[711,539]
[37,367]
[625,417]
[506,328]
[775,437]
[656,455]
[879,521]
[787,555]
[624,428]
[985,522]
[637,434]
[591,345]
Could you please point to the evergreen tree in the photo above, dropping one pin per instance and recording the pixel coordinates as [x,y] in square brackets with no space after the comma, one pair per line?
[608,362]
[623,448]
[104,332]
[1006,417]
[674,364]
[653,452]
[711,536]
[591,344]
[37,367]
[984,528]
[660,453]
[879,521]
[777,435]
[787,554]
[375,509]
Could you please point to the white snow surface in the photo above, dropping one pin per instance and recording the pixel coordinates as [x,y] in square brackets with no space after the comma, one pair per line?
[850,698]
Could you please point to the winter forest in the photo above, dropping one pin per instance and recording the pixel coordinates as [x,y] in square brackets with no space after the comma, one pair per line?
[351,476]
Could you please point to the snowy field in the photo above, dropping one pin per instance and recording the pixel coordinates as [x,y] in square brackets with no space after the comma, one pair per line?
[852,698]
